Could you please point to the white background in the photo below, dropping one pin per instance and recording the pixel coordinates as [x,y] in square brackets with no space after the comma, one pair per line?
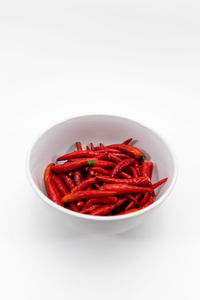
[138,59]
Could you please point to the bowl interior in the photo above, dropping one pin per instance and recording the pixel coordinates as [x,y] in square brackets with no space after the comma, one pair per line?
[61,139]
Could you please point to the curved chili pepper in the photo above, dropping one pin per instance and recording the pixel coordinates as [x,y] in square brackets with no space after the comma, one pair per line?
[143,200]
[132,203]
[77,177]
[149,202]
[87,148]
[122,155]
[82,163]
[133,151]
[112,150]
[125,175]
[51,188]
[114,158]
[121,166]
[122,188]
[73,206]
[47,172]
[75,196]
[84,184]
[146,168]
[103,210]
[107,208]
[53,192]
[99,170]
[134,172]
[60,185]
[127,141]
[79,154]
[78,146]
[89,209]
[67,180]
[142,181]
[100,201]
[155,185]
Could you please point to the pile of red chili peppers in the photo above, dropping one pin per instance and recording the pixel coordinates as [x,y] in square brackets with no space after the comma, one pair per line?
[102,181]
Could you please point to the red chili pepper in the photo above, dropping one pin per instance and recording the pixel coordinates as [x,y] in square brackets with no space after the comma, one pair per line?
[67,180]
[155,185]
[85,183]
[103,210]
[146,168]
[132,202]
[125,175]
[51,188]
[78,146]
[55,188]
[143,200]
[128,211]
[134,172]
[92,147]
[112,150]
[102,156]
[75,196]
[121,188]
[79,154]
[101,146]
[53,193]
[60,185]
[47,172]
[87,148]
[137,168]
[114,158]
[149,202]
[127,141]
[88,177]
[99,170]
[89,209]
[77,177]
[122,155]
[106,200]
[82,163]
[133,151]
[142,181]
[73,207]
[107,208]
[121,166]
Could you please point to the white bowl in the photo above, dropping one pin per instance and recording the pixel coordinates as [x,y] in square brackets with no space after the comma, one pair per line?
[107,129]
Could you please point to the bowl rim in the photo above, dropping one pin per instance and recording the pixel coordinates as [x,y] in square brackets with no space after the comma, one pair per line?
[101,218]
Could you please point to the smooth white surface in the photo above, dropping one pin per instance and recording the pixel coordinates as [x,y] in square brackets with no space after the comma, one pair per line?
[137,59]
[108,129]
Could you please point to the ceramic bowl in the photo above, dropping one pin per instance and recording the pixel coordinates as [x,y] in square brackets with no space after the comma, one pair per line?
[107,129]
